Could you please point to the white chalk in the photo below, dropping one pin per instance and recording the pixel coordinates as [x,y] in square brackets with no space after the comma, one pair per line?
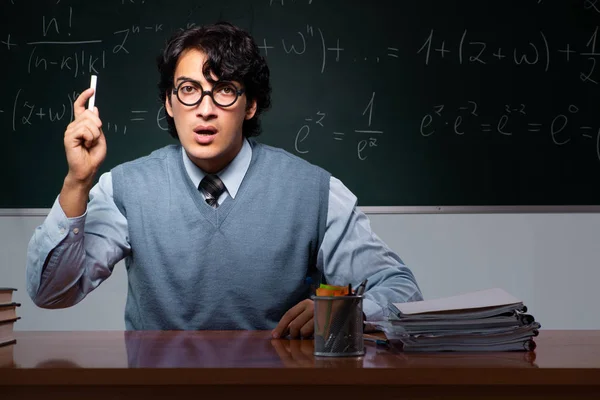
[92,99]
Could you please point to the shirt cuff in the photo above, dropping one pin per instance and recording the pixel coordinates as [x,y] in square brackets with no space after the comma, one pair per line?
[372,310]
[63,229]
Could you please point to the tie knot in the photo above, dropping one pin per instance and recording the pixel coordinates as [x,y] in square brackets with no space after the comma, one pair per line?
[213,187]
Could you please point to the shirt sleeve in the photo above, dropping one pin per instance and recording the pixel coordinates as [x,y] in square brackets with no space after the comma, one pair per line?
[351,252]
[69,257]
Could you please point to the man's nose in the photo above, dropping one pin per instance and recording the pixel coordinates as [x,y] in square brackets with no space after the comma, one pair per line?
[206,107]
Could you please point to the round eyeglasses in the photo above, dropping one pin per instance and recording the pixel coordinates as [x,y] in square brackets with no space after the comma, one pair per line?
[224,94]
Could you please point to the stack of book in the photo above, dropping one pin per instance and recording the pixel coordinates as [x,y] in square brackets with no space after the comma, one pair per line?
[486,320]
[8,317]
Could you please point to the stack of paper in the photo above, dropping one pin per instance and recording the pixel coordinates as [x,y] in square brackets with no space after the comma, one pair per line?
[486,320]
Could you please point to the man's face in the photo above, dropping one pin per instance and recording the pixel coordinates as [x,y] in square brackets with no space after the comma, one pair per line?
[211,135]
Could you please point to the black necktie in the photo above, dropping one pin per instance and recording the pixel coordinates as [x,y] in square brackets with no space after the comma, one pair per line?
[213,187]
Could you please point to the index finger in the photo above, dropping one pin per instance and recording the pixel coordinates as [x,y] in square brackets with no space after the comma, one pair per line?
[79,104]
[288,317]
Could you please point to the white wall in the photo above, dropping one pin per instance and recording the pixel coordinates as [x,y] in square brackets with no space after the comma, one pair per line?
[102,309]
[550,261]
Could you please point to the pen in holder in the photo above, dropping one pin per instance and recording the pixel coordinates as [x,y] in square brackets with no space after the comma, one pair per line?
[338,326]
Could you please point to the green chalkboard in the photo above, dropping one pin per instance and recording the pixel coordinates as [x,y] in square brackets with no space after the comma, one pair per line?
[408,102]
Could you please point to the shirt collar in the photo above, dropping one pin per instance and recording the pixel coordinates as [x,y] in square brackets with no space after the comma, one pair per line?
[232,175]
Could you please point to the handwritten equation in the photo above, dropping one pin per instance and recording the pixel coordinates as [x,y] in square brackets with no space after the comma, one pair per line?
[513,119]
[54,48]
[532,52]
[26,112]
[298,46]
[76,63]
[309,40]
[367,136]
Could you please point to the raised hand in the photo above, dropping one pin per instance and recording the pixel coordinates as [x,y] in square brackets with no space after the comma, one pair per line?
[85,147]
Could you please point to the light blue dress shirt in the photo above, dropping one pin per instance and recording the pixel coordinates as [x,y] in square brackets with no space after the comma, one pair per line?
[59,241]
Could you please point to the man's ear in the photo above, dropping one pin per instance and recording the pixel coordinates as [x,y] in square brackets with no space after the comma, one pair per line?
[251,110]
[168,106]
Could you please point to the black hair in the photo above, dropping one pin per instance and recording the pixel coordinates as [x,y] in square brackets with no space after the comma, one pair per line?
[231,55]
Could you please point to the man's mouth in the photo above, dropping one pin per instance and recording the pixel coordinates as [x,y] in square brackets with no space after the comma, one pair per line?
[205,130]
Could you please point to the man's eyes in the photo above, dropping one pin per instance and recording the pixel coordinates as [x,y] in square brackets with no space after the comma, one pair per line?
[189,89]
[226,90]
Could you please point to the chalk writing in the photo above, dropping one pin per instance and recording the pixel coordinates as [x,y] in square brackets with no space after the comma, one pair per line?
[75,64]
[8,43]
[362,144]
[161,117]
[591,5]
[365,83]
[134,30]
[561,129]
[531,52]
[282,2]
[298,46]
[27,112]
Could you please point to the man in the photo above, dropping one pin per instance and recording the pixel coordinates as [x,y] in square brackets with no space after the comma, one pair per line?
[219,232]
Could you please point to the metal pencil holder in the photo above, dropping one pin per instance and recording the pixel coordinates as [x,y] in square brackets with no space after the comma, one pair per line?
[338,326]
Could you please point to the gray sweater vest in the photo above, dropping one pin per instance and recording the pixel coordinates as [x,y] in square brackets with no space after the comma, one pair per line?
[239,266]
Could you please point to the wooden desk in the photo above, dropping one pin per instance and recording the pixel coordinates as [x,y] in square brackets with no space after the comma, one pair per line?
[217,365]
